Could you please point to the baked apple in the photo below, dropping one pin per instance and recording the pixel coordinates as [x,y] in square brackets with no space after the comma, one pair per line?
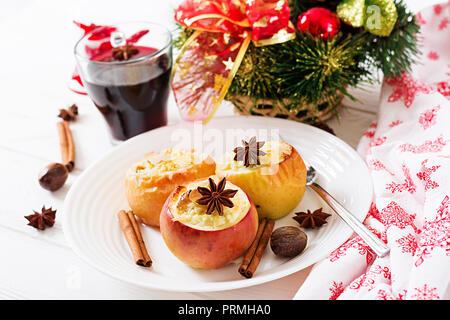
[150,181]
[208,223]
[275,180]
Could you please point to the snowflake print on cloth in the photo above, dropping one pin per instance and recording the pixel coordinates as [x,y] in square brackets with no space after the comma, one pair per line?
[425,293]
[425,174]
[377,142]
[363,281]
[394,215]
[444,23]
[435,233]
[428,146]
[395,123]
[408,185]
[369,134]
[432,55]
[336,290]
[408,243]
[383,295]
[402,294]
[406,88]
[376,165]
[368,279]
[373,210]
[437,9]
[427,118]
[420,20]
[355,243]
[443,88]
[382,270]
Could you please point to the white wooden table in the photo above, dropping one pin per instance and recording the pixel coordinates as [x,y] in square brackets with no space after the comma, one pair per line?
[36,61]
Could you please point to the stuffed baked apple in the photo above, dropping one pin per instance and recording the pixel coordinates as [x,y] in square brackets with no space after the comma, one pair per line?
[150,181]
[272,173]
[208,223]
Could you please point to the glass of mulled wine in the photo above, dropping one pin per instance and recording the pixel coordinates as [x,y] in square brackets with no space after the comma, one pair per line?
[126,69]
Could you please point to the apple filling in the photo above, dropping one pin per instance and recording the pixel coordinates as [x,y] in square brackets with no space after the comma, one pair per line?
[166,162]
[186,210]
[275,153]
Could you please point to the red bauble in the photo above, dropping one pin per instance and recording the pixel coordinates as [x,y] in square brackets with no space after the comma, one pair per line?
[319,22]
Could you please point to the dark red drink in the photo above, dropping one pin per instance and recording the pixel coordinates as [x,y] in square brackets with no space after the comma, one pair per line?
[131,96]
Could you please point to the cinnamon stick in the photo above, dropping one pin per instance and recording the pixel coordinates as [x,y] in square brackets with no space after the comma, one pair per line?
[63,143]
[66,144]
[251,251]
[71,147]
[134,239]
[257,253]
[147,259]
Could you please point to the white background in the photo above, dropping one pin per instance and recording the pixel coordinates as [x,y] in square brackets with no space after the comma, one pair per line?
[36,61]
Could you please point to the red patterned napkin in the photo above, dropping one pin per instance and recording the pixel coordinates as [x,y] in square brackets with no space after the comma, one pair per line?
[408,154]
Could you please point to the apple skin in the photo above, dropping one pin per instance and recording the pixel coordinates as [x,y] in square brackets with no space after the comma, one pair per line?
[207,249]
[147,198]
[276,190]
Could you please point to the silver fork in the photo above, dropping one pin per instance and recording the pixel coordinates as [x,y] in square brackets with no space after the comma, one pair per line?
[378,246]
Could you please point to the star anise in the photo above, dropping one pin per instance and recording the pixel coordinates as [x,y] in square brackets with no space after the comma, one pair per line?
[125,52]
[43,219]
[69,114]
[216,197]
[250,152]
[311,220]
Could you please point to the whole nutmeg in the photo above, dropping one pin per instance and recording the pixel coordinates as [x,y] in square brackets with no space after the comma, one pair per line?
[53,176]
[288,242]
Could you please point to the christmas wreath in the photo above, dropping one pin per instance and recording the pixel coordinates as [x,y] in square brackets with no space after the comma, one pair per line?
[291,59]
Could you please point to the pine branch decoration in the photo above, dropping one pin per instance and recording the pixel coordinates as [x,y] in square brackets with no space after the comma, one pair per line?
[397,52]
[311,67]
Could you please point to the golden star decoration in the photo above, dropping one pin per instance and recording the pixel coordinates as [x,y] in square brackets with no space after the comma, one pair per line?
[228,64]
[208,60]
[214,42]
[219,82]
[192,110]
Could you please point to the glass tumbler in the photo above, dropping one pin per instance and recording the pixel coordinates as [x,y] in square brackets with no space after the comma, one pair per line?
[127,75]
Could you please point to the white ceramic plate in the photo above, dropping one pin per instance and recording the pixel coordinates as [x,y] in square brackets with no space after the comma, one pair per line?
[90,209]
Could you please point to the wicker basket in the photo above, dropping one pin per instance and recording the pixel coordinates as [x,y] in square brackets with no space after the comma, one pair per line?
[286,109]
